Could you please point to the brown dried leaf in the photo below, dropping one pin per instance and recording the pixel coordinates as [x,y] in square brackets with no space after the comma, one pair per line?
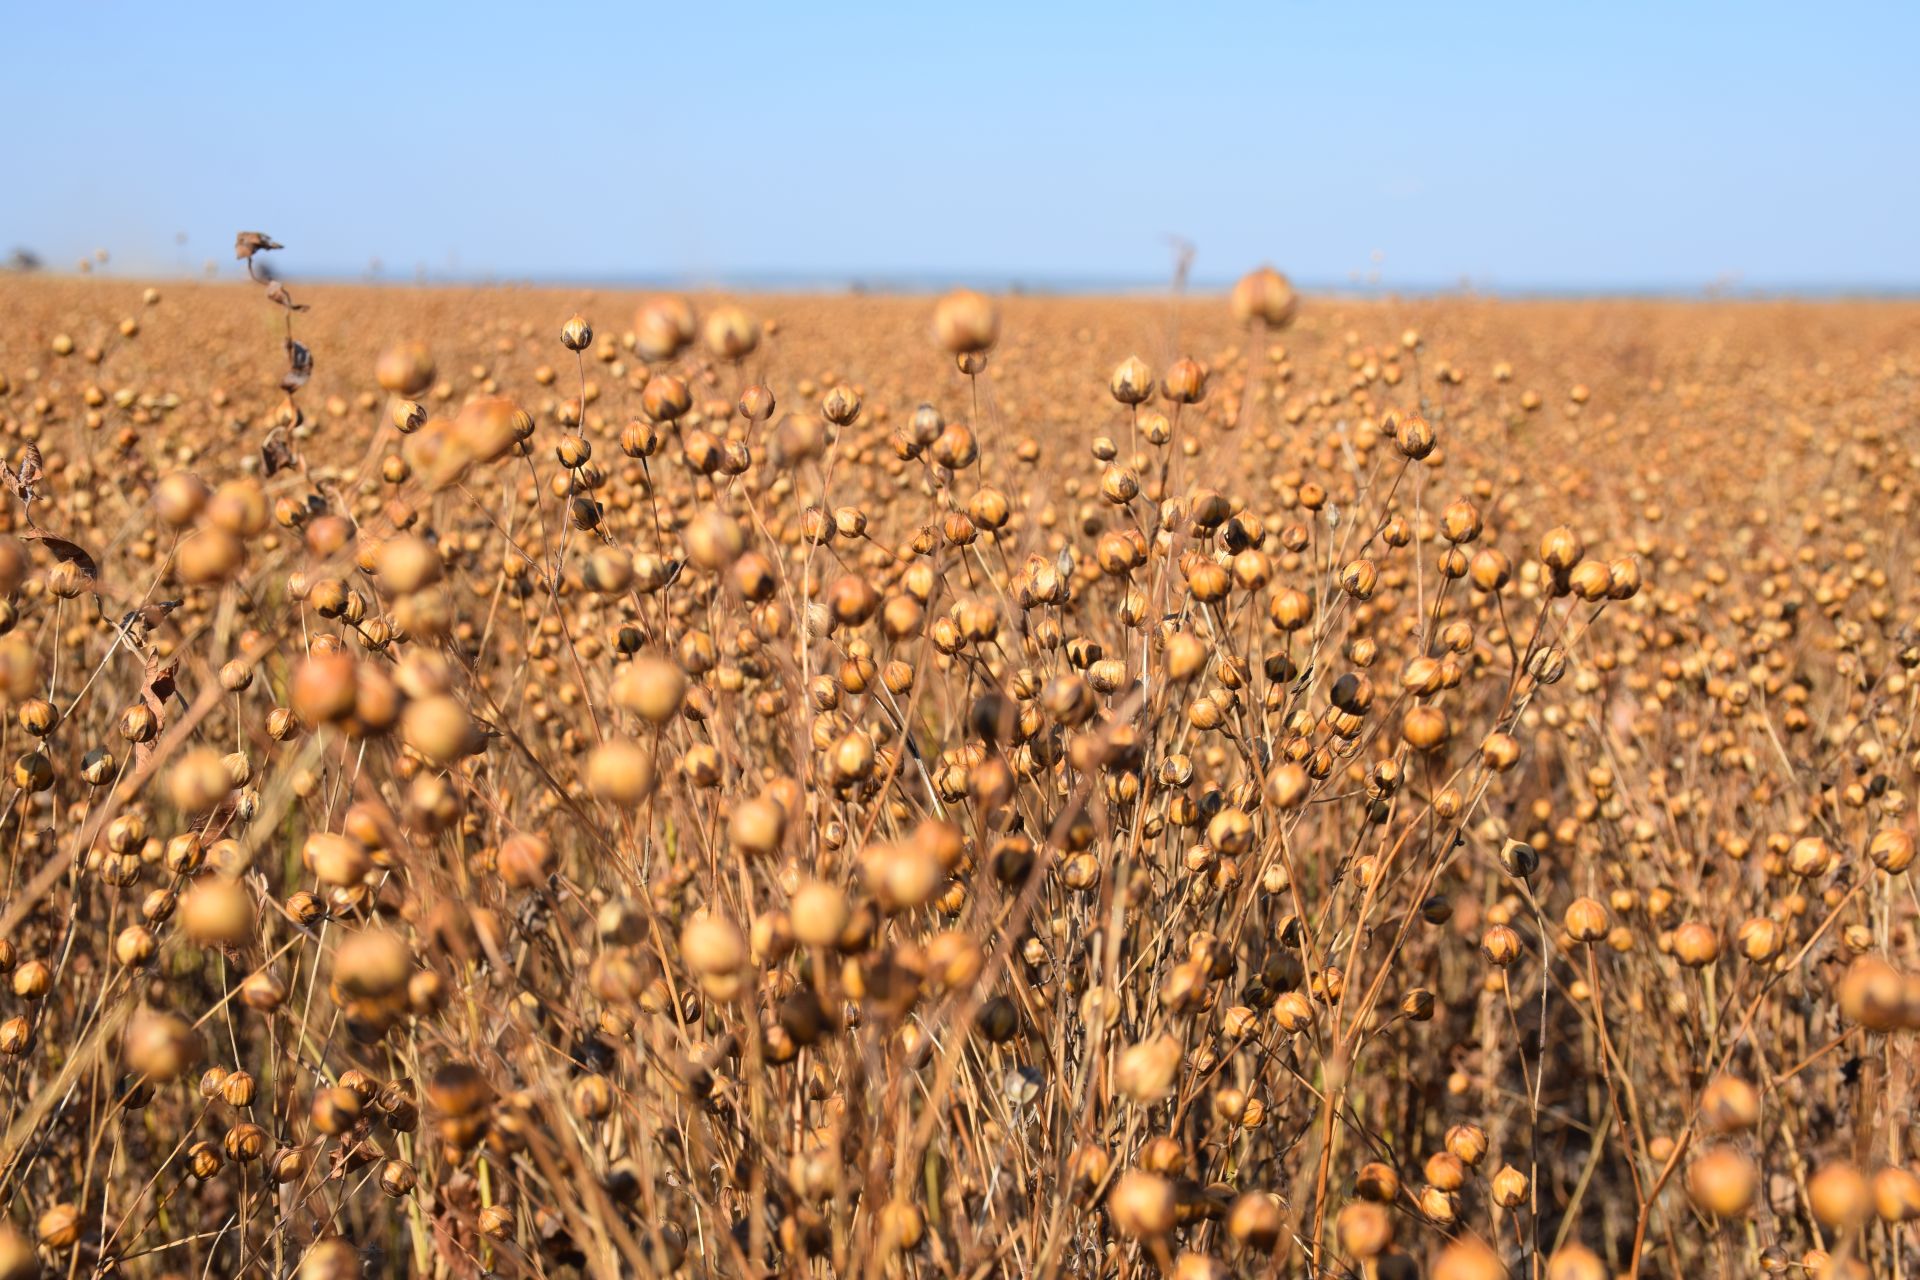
[277,292]
[63,549]
[299,366]
[248,243]
[155,688]
[32,467]
[275,456]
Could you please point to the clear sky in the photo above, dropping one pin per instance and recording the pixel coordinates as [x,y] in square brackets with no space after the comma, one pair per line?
[1546,144]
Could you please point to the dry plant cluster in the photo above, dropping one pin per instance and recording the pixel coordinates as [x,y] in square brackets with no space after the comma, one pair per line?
[954,787]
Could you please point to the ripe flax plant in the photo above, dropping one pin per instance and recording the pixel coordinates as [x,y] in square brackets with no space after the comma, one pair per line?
[1382,790]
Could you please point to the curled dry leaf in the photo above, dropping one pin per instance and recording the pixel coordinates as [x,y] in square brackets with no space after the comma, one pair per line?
[63,549]
[248,243]
[299,366]
[277,292]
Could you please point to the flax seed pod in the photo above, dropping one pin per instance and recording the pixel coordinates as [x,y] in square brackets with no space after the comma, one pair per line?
[731,334]
[1721,1181]
[1839,1195]
[1467,1258]
[1586,921]
[1132,381]
[1891,850]
[965,322]
[1142,1205]
[1263,295]
[621,770]
[1729,1105]
[1576,1262]
[405,369]
[1365,1229]
[1425,728]
[1510,1187]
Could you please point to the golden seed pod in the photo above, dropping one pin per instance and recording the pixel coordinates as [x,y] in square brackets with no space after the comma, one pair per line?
[325,689]
[1500,945]
[371,963]
[731,334]
[662,327]
[576,334]
[1891,850]
[484,431]
[404,369]
[16,1255]
[820,914]
[331,1259]
[287,1164]
[264,990]
[1185,382]
[757,403]
[1199,1266]
[757,827]
[1561,549]
[651,687]
[440,729]
[1489,570]
[1721,1181]
[1896,1194]
[59,1228]
[1263,295]
[336,860]
[217,912]
[179,498]
[622,771]
[407,563]
[33,980]
[1257,1220]
[902,1226]
[238,1089]
[1142,1205]
[1576,1262]
[16,1036]
[1145,1072]
[1467,1258]
[1696,944]
[1840,1195]
[1467,1143]
[714,540]
[841,405]
[712,946]
[208,555]
[1132,381]
[525,861]
[1425,728]
[965,322]
[397,1178]
[1365,1229]
[1760,939]
[1510,1187]
[1729,1105]
[134,946]
[1872,993]
[1445,1171]
[1586,920]
[160,1046]
[407,416]
[1591,580]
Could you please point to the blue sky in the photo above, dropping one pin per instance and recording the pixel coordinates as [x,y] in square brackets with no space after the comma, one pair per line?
[1551,144]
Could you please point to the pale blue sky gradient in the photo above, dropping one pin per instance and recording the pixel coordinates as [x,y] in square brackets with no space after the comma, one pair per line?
[1525,146]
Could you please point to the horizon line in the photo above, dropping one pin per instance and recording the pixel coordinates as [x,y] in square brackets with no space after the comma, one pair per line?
[1010,283]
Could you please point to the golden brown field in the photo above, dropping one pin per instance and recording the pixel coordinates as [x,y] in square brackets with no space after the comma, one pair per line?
[954,788]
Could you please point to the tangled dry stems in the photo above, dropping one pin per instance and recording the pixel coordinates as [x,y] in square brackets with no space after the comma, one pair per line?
[889,787]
